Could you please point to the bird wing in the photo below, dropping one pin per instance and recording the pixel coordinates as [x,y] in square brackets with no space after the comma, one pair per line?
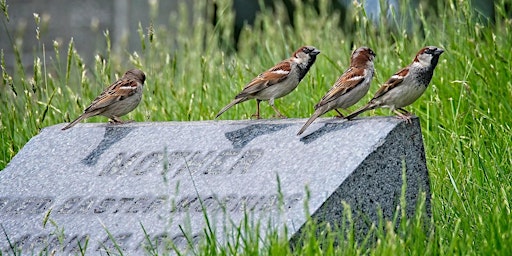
[392,82]
[266,79]
[349,80]
[119,90]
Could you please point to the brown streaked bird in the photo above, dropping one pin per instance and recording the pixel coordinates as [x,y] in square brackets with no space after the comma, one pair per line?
[117,100]
[350,87]
[406,85]
[278,81]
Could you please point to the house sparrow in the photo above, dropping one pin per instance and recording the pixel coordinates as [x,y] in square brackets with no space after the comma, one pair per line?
[350,87]
[406,85]
[278,81]
[117,100]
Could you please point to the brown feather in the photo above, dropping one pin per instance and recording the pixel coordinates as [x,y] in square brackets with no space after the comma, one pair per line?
[264,80]
[113,93]
[392,82]
[344,84]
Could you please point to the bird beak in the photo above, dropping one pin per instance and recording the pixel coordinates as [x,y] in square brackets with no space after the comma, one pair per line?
[439,51]
[315,52]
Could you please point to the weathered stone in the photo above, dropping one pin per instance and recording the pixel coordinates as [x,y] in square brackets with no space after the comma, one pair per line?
[68,187]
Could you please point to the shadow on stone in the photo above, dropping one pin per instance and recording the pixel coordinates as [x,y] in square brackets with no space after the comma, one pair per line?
[241,137]
[327,128]
[111,136]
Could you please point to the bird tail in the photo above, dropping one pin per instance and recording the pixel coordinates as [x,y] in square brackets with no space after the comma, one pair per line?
[366,107]
[232,103]
[315,115]
[80,118]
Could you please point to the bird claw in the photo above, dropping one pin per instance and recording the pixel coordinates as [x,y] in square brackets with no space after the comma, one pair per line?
[116,121]
[406,117]
[257,116]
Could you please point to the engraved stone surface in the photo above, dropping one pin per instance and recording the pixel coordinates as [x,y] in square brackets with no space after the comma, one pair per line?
[141,184]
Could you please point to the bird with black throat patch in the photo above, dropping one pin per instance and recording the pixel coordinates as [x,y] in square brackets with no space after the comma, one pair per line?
[406,85]
[350,87]
[117,100]
[277,82]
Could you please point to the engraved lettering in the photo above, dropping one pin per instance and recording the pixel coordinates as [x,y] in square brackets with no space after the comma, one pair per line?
[212,203]
[229,161]
[268,203]
[34,205]
[23,242]
[74,243]
[155,204]
[234,203]
[43,205]
[23,205]
[255,201]
[161,241]
[148,163]
[38,240]
[196,238]
[166,242]
[291,200]
[177,158]
[122,204]
[52,240]
[240,205]
[139,205]
[48,243]
[228,201]
[86,205]
[184,204]
[246,161]
[197,161]
[120,164]
[220,163]
[78,205]
[104,205]
[180,241]
[120,240]
[44,239]
[148,203]
[207,203]
[69,204]
[28,205]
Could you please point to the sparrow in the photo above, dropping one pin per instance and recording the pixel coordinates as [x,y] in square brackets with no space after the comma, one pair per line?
[350,87]
[117,100]
[406,85]
[278,81]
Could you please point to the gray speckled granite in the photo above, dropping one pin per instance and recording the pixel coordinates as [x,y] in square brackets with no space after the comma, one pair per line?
[162,175]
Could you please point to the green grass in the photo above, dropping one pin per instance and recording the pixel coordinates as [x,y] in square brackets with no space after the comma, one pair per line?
[465,114]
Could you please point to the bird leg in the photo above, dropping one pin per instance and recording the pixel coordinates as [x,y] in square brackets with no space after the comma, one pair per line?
[117,120]
[404,111]
[257,115]
[340,115]
[279,115]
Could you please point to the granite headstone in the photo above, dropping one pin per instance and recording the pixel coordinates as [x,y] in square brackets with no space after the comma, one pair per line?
[98,187]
